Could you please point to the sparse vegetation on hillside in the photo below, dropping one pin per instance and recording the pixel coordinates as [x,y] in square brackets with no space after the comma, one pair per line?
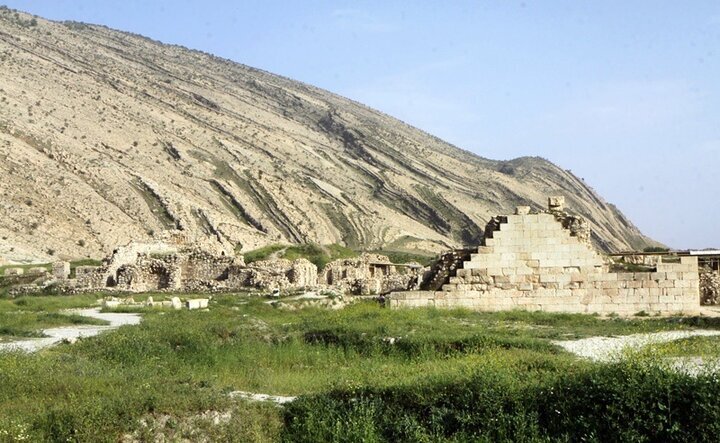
[407,257]
[151,137]
[321,255]
[317,254]
[655,249]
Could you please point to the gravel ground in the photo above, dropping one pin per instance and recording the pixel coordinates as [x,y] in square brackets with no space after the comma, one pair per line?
[72,333]
[611,348]
[279,399]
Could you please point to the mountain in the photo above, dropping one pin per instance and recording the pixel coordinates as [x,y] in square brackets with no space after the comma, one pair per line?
[106,137]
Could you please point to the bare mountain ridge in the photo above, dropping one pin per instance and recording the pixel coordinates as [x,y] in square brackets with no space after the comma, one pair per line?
[107,137]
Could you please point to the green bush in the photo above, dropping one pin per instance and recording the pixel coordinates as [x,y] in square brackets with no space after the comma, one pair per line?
[262,253]
[655,249]
[615,402]
[317,254]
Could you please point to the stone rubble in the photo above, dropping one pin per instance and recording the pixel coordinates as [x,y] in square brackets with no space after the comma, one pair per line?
[179,265]
[174,302]
[709,286]
[370,274]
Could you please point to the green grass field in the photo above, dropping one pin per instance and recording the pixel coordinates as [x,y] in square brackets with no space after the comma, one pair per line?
[27,316]
[364,373]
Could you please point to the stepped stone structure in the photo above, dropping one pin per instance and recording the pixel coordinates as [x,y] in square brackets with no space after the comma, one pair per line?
[544,261]
[446,265]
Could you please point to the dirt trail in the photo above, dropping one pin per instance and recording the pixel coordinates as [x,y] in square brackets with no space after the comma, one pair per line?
[611,348]
[72,333]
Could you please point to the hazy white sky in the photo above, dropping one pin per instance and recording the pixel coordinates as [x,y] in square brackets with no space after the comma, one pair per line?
[626,94]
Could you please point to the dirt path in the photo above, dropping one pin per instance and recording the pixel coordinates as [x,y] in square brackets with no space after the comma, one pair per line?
[279,399]
[611,348]
[72,333]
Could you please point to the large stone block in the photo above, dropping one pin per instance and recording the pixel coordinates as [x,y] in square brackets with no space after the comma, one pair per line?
[689,260]
[689,276]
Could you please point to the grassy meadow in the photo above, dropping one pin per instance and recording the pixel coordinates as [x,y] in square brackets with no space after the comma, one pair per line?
[364,373]
[26,316]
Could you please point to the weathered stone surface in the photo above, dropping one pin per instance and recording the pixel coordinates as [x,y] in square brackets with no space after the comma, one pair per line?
[543,261]
[197,303]
[556,203]
[370,274]
[14,271]
[187,267]
[176,303]
[274,274]
[709,286]
[61,270]
[303,273]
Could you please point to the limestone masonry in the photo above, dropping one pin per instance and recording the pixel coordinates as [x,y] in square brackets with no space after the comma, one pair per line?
[533,261]
[179,264]
[544,261]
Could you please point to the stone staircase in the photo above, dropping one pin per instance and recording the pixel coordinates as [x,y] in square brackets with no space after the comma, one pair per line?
[445,268]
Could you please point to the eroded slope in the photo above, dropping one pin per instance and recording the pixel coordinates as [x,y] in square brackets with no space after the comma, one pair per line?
[107,137]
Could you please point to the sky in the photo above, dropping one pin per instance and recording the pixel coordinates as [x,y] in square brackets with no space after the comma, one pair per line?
[625,94]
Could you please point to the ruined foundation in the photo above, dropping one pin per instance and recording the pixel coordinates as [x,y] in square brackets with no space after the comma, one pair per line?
[187,267]
[370,274]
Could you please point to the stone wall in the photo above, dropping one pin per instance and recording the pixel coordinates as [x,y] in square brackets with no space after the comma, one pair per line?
[149,274]
[201,265]
[91,276]
[369,274]
[273,274]
[533,262]
[709,286]
[129,254]
[61,270]
[303,273]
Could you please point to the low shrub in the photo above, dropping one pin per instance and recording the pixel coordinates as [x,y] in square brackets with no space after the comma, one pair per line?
[612,402]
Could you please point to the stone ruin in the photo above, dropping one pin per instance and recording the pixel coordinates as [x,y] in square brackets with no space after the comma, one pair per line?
[142,267]
[529,260]
[179,265]
[708,268]
[370,274]
[61,270]
[10,272]
[174,302]
[709,286]
[274,274]
[545,261]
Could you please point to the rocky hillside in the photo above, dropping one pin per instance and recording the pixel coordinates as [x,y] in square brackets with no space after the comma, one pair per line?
[107,137]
